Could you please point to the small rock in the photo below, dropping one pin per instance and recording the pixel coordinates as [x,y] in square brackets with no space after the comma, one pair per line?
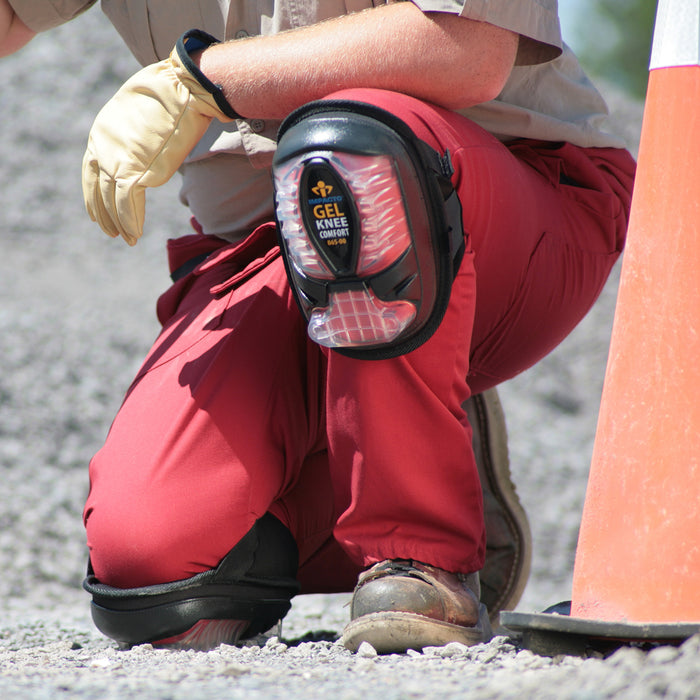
[691,646]
[102,662]
[487,655]
[453,649]
[663,655]
[431,651]
[274,645]
[366,651]
[627,657]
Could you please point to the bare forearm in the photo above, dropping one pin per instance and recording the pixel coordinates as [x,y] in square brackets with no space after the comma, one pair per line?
[14,33]
[441,58]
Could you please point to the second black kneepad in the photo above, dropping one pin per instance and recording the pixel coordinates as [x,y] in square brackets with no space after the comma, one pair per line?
[253,584]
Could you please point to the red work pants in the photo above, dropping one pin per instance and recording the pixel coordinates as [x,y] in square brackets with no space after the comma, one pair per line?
[235,412]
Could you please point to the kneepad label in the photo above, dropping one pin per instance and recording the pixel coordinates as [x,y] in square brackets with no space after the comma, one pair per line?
[329,216]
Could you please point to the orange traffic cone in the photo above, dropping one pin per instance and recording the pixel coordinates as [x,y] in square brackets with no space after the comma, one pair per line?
[637,569]
[638,555]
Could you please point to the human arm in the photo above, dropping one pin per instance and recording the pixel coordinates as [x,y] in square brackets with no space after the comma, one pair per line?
[144,133]
[14,33]
[437,57]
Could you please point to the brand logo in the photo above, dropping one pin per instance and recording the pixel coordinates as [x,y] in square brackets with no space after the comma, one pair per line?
[322,189]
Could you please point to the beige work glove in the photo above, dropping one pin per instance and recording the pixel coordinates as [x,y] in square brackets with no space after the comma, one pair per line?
[143,134]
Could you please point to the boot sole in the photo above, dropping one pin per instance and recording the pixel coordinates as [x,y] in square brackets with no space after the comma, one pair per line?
[397,632]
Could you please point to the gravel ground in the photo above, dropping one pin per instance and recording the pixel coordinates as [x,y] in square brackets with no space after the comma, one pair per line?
[76,317]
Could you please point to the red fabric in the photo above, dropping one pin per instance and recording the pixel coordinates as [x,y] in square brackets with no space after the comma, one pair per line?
[235,412]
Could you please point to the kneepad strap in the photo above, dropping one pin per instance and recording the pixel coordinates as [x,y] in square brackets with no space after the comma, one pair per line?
[370,227]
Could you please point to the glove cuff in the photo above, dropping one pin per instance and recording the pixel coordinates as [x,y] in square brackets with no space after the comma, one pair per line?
[194,40]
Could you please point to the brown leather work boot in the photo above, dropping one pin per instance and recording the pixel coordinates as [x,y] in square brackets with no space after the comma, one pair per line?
[400,604]
[508,538]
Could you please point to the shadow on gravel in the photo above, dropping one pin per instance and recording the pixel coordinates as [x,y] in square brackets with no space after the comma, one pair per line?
[313,636]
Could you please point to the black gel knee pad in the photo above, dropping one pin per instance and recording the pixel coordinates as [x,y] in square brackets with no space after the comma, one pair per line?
[254,582]
[370,227]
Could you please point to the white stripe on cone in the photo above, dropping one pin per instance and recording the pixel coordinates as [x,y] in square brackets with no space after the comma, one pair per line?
[676,34]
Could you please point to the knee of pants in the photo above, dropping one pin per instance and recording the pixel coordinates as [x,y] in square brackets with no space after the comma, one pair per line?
[440,128]
[126,552]
[399,104]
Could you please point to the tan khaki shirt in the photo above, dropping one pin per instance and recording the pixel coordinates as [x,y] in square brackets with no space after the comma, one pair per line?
[226,182]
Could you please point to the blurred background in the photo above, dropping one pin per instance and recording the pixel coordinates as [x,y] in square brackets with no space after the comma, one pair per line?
[612,38]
